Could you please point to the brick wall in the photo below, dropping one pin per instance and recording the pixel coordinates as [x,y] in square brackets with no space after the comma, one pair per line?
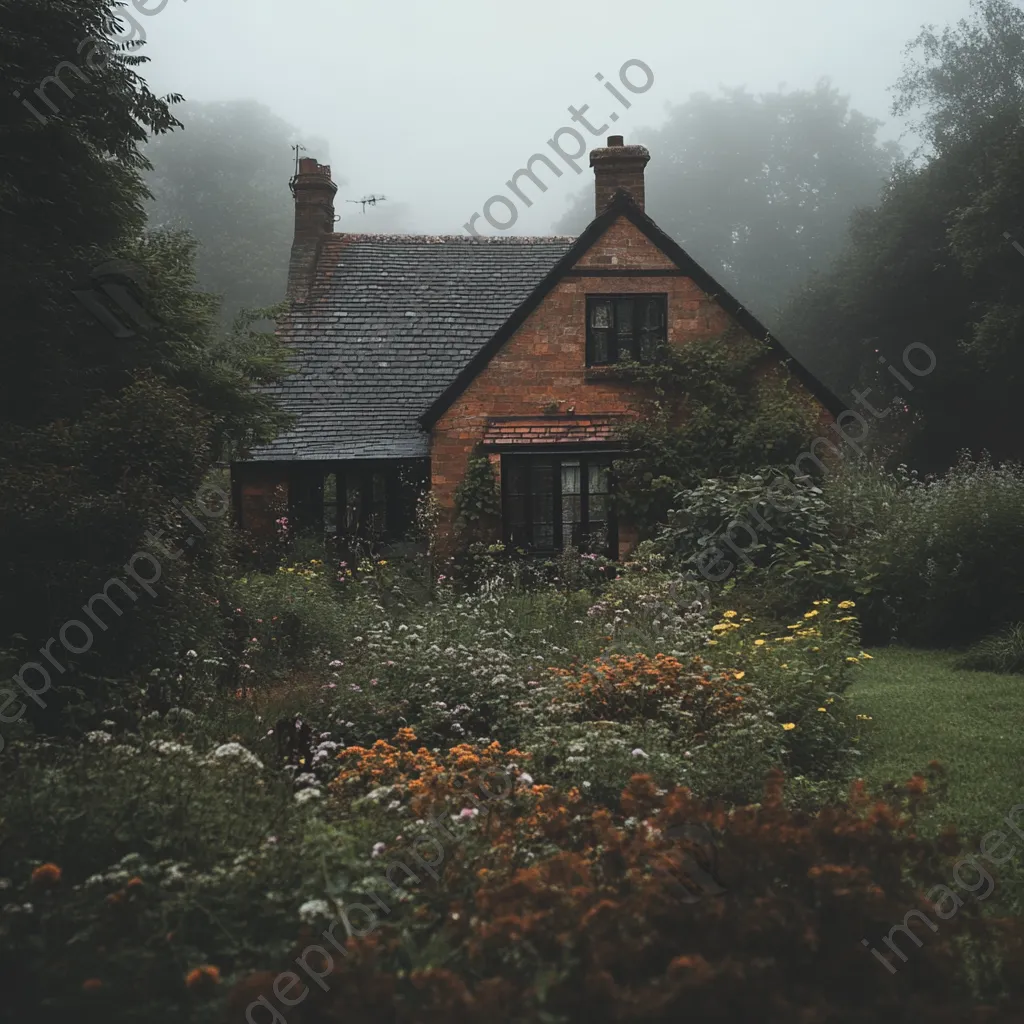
[261,495]
[544,361]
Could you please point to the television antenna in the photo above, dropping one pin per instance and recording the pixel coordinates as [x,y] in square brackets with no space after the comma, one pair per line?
[370,200]
[298,149]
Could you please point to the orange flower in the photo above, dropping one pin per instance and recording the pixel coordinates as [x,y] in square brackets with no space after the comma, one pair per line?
[92,985]
[46,874]
[134,883]
[202,978]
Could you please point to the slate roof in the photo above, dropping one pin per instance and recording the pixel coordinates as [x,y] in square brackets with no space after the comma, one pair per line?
[390,322]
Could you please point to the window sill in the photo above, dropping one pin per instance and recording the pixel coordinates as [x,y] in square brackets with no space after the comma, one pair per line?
[595,374]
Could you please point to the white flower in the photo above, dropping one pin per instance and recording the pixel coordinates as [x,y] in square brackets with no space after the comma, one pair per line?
[312,910]
[639,753]
[525,779]
[98,736]
[305,795]
[5,883]
[305,779]
[191,654]
[169,747]
[378,849]
[335,664]
[236,750]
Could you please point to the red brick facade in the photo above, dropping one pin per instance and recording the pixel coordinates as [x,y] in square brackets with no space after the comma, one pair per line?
[543,364]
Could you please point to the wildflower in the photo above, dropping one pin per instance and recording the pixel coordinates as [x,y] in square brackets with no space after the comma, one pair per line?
[866,657]
[823,709]
[335,664]
[739,675]
[785,664]
[468,813]
[525,779]
[863,718]
[313,909]
[846,604]
[92,985]
[305,795]
[236,750]
[46,874]
[788,725]
[191,654]
[852,660]
[729,615]
[720,627]
[639,753]
[134,883]
[383,561]
[811,614]
[378,849]
[204,977]
[759,643]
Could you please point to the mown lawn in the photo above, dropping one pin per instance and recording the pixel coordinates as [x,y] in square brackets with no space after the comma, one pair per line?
[923,708]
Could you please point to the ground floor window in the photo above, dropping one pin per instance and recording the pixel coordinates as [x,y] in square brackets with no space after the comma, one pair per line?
[367,499]
[553,501]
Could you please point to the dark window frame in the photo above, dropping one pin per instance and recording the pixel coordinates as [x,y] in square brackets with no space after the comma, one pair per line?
[554,460]
[613,354]
[311,512]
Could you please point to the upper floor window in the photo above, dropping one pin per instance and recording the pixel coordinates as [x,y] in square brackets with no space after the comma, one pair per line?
[624,328]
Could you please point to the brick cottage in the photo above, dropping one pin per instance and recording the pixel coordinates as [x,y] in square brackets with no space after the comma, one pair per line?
[411,352]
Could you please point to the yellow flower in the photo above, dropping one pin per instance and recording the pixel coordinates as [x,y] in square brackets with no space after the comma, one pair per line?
[739,675]
[788,725]
[810,614]
[720,627]
[847,618]
[863,718]
[867,657]
[759,643]
[711,643]
[729,615]
[846,604]
[815,602]
[815,649]
[746,618]
[852,661]
[383,561]
[788,639]
[823,709]
[796,625]
[784,665]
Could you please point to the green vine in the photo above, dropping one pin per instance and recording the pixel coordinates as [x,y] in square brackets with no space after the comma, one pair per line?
[477,499]
[713,408]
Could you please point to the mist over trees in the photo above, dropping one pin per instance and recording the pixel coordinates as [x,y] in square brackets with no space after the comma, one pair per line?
[223,177]
[760,189]
[933,264]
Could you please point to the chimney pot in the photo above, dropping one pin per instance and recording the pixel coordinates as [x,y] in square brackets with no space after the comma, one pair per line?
[618,167]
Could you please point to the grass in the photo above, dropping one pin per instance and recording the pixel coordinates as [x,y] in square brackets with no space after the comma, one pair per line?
[925,708]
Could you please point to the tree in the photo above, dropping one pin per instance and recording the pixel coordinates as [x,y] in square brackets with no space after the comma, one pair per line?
[110,421]
[759,189]
[224,178]
[929,280]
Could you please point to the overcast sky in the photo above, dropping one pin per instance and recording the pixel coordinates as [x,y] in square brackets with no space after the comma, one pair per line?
[437,104]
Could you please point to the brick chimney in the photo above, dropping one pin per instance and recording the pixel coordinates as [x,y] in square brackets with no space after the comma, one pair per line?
[618,166]
[314,218]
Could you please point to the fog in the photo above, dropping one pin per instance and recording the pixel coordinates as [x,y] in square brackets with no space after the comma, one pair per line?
[435,106]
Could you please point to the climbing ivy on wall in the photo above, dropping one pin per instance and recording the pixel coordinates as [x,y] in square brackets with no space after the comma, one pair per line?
[716,407]
[477,500]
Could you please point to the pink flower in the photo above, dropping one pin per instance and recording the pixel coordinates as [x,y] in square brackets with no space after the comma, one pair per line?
[468,813]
